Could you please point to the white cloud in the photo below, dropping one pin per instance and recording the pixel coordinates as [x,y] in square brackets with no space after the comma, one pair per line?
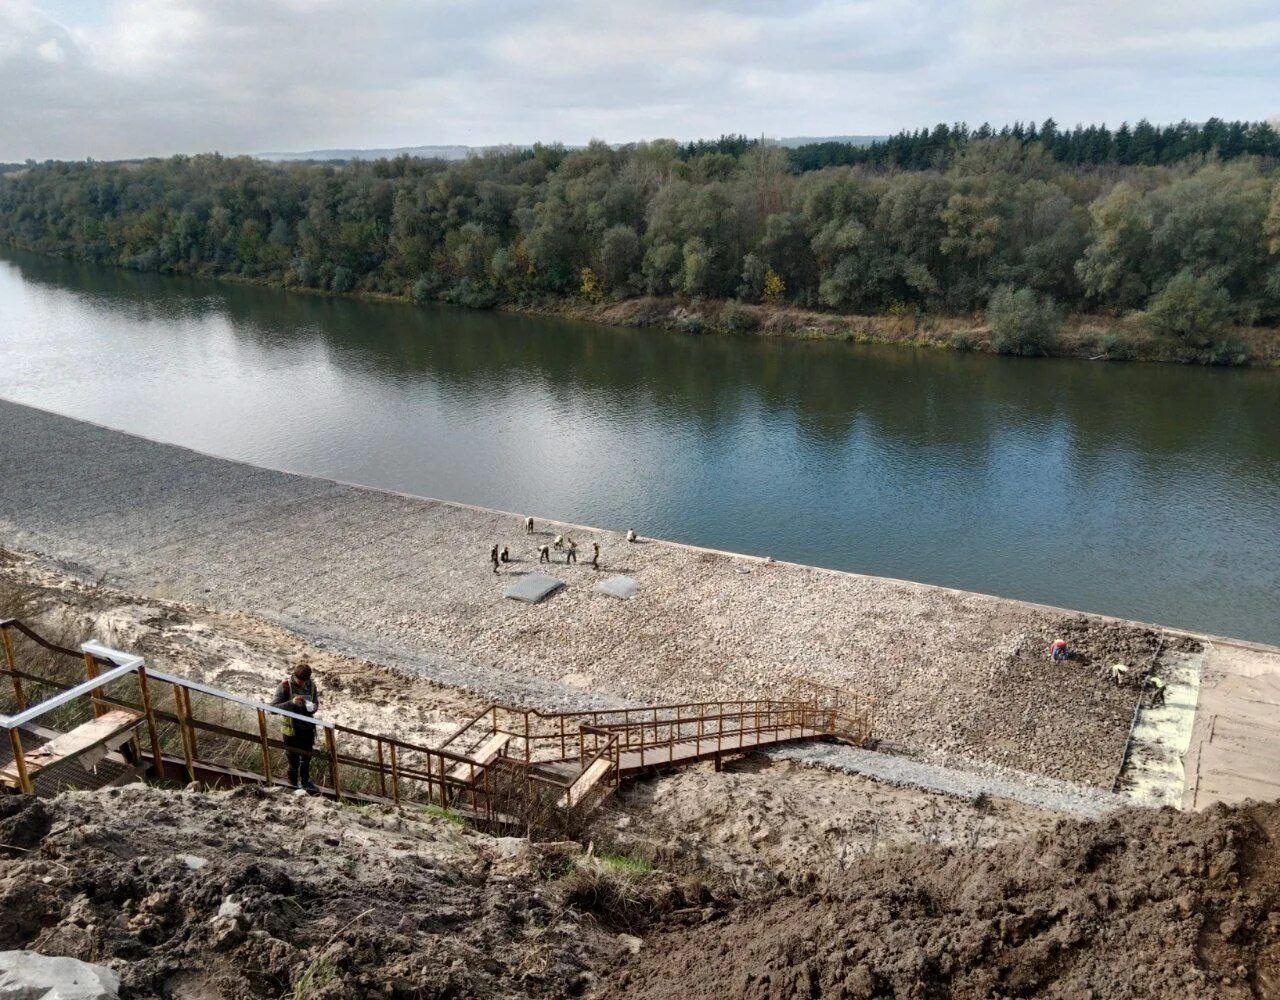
[134,77]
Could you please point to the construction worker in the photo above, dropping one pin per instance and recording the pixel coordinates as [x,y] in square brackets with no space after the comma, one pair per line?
[1156,686]
[595,555]
[571,551]
[544,553]
[493,555]
[297,693]
[1119,673]
[1058,651]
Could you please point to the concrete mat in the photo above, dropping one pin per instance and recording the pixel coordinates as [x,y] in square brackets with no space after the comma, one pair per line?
[533,587]
[622,587]
[25,974]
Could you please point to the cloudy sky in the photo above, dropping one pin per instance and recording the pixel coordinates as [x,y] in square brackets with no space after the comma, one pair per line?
[116,78]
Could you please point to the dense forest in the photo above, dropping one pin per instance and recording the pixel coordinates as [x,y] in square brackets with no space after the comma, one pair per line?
[1178,224]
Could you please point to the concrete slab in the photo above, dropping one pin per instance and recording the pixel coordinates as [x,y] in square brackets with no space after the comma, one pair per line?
[533,588]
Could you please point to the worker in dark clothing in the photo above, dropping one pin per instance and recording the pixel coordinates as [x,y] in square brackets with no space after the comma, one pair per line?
[298,694]
[595,555]
[493,555]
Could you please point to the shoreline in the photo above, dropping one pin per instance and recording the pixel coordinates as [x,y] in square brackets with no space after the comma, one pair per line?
[954,676]
[587,529]
[1084,337]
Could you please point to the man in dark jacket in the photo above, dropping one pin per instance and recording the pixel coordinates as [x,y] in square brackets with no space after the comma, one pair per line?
[298,694]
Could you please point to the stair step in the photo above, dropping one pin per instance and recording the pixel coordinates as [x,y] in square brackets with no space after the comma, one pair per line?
[589,778]
[488,752]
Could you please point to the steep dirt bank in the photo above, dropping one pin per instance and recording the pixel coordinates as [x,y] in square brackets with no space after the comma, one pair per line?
[1142,904]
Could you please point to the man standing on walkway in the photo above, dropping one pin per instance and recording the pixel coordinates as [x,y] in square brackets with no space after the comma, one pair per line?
[298,694]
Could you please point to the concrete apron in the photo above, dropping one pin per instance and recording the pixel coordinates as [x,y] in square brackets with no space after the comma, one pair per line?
[1156,773]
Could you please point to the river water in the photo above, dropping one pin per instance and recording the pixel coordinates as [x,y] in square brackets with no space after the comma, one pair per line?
[1145,491]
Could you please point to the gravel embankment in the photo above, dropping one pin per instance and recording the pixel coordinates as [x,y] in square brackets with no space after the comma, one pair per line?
[407,581]
[990,779]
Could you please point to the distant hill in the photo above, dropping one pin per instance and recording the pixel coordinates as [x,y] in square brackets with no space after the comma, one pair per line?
[462,152]
[421,152]
[791,142]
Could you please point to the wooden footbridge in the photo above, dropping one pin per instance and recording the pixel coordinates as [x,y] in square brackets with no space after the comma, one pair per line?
[95,716]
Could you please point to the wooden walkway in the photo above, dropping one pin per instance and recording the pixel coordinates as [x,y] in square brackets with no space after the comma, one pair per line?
[682,753]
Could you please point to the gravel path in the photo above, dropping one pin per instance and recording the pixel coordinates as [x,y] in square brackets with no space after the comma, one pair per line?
[407,581]
[1030,789]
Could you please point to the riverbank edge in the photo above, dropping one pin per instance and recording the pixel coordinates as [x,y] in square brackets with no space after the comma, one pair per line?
[574,527]
[1090,337]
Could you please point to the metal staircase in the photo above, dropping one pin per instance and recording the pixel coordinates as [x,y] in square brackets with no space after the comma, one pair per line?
[104,717]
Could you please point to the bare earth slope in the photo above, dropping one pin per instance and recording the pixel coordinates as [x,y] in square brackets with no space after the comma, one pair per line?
[1141,904]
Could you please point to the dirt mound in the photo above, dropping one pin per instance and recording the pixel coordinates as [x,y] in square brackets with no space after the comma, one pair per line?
[1142,904]
[258,893]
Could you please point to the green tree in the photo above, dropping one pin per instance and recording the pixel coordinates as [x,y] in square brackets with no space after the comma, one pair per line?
[1021,321]
[1193,308]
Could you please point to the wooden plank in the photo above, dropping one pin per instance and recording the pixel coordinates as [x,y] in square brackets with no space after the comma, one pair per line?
[488,751]
[589,779]
[70,745]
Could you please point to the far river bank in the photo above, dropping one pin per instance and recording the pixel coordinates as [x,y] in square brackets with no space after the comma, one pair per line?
[1092,337]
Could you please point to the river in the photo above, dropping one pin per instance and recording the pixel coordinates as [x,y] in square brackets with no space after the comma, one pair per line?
[1144,491]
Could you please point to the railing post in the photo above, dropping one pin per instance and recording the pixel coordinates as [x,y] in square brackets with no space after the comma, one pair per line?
[444,784]
[395,777]
[144,693]
[266,746]
[382,771]
[12,660]
[333,763]
[90,672]
[184,725]
[20,762]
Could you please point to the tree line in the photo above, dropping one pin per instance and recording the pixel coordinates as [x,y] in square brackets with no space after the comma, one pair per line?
[1002,223]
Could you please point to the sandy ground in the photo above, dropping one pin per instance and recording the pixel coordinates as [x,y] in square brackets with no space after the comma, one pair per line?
[407,582]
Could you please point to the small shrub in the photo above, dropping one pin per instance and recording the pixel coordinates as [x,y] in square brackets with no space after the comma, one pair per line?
[1118,348]
[774,286]
[592,290]
[472,294]
[962,340]
[1021,321]
[690,324]
[737,318]
[620,899]
[426,288]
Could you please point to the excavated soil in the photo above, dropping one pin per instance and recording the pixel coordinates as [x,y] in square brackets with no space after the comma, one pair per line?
[257,893]
[1141,904]
[758,824]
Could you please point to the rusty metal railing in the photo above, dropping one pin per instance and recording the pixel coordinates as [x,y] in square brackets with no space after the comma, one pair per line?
[195,732]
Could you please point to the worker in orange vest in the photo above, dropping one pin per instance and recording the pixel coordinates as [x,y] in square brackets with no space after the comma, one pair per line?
[1059,650]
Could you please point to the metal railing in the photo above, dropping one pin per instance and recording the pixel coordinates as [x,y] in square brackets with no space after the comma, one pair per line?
[199,733]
